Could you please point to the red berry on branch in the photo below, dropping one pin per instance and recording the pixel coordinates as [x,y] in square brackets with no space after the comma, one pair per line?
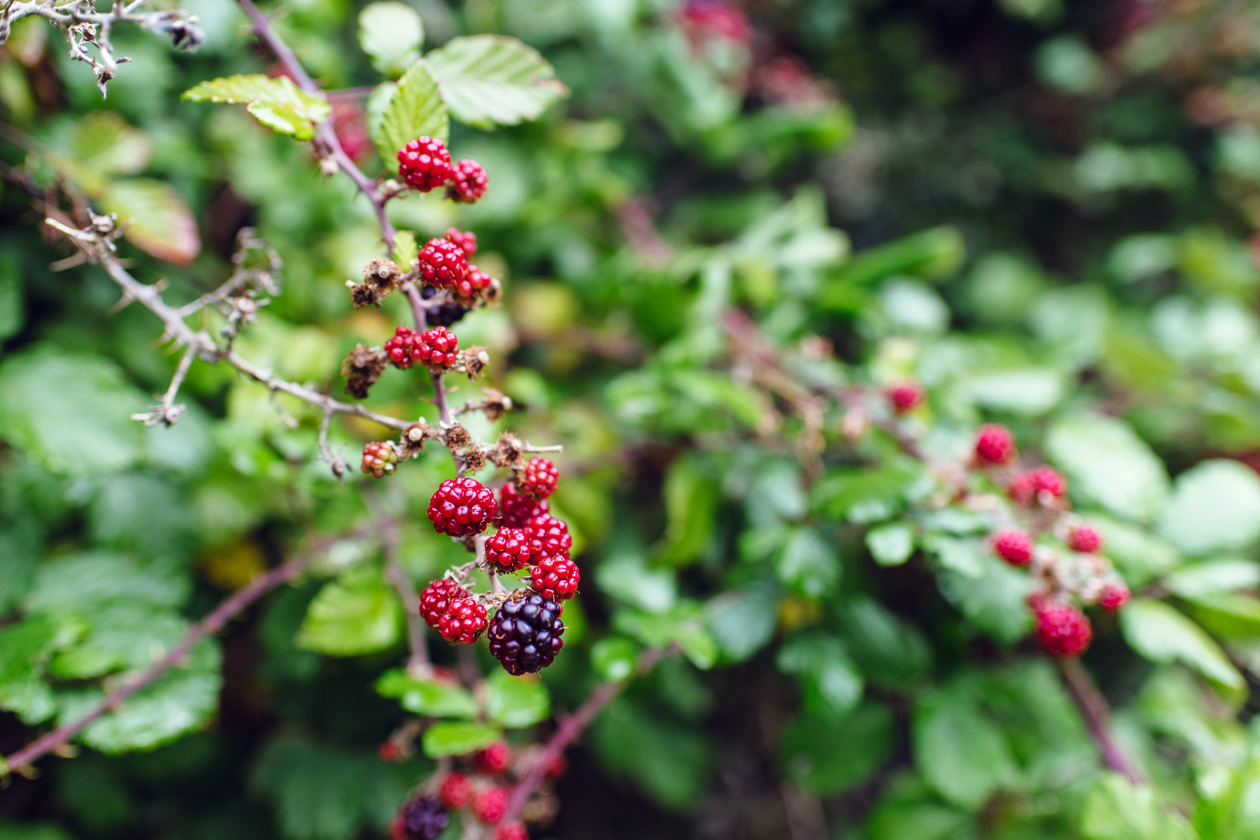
[1085,539]
[472,287]
[493,760]
[379,459]
[436,599]
[463,622]
[905,397]
[468,183]
[1042,484]
[994,444]
[491,805]
[1114,596]
[403,349]
[555,578]
[456,791]
[461,507]
[511,831]
[548,536]
[466,240]
[516,509]
[508,551]
[425,164]
[438,349]
[389,751]
[1015,547]
[1063,630]
[525,634]
[442,263]
[538,479]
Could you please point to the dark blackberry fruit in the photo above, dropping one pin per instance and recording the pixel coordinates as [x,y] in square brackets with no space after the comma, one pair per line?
[422,818]
[446,314]
[525,634]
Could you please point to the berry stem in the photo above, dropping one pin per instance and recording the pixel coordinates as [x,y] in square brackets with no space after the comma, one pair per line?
[1095,711]
[572,726]
[208,626]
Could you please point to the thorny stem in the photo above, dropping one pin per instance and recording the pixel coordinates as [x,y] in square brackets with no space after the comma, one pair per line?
[208,626]
[325,137]
[572,726]
[1095,711]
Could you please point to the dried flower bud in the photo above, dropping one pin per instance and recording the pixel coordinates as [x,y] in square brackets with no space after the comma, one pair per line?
[383,274]
[457,437]
[474,459]
[364,295]
[475,360]
[496,405]
[361,368]
[413,437]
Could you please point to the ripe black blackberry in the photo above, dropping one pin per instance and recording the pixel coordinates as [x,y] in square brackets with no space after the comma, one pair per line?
[525,634]
[422,818]
[446,314]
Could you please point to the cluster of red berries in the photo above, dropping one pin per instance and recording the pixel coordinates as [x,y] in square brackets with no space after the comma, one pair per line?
[425,164]
[481,786]
[525,634]
[905,397]
[1062,628]
[436,349]
[379,459]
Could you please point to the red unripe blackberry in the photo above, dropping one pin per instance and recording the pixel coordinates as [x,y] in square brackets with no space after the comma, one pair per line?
[511,831]
[389,751]
[548,536]
[436,599]
[403,349]
[472,287]
[1063,630]
[456,792]
[491,805]
[1042,484]
[468,183]
[466,240]
[508,551]
[425,164]
[442,263]
[379,459]
[463,622]
[1114,596]
[525,634]
[994,444]
[422,818]
[493,760]
[516,509]
[905,397]
[539,478]
[1085,539]
[439,349]
[1015,547]
[556,767]
[555,578]
[461,506]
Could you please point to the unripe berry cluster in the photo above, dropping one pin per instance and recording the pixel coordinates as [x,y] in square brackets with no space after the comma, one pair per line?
[425,164]
[1066,566]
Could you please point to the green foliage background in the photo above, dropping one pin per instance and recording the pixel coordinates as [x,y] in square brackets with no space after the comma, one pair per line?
[1044,211]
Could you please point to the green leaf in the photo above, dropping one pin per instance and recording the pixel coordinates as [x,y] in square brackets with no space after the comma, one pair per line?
[963,556]
[516,702]
[889,651]
[691,499]
[89,580]
[1215,507]
[405,248]
[23,649]
[490,79]
[909,809]
[959,753]
[392,34]
[870,495]
[1029,391]
[995,600]
[72,413]
[892,544]
[831,682]
[808,564]
[615,658]
[1161,634]
[414,110]
[356,613]
[1107,464]
[12,304]
[670,762]
[458,738]
[1116,810]
[182,700]
[1213,576]
[682,625]
[277,103]
[431,698]
[104,144]
[155,218]
[825,755]
[743,621]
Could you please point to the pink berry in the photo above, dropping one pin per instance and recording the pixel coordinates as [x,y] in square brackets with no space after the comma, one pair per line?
[555,578]
[1063,630]
[456,791]
[905,397]
[994,444]
[539,478]
[1114,596]
[436,599]
[425,164]
[461,507]
[491,805]
[468,183]
[508,550]
[442,263]
[1015,547]
[494,759]
[467,241]
[548,536]
[516,509]
[463,622]
[1085,539]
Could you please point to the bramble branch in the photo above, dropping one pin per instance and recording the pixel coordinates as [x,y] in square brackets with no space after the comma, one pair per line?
[21,760]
